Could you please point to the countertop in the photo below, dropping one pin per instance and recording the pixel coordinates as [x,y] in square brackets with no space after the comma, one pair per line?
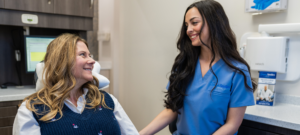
[284,114]
[16,93]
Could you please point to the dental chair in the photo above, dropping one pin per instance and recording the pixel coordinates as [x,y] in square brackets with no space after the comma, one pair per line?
[103,81]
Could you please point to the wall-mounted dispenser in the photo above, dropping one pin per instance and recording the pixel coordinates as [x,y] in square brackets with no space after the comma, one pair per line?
[278,52]
[267,53]
[264,6]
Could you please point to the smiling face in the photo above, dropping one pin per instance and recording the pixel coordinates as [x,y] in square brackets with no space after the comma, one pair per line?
[194,22]
[84,64]
[266,87]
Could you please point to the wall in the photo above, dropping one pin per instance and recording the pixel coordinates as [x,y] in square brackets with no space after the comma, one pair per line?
[149,31]
[108,50]
[145,34]
[92,35]
[244,22]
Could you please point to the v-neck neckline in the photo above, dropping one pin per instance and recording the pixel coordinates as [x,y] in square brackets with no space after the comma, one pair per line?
[208,72]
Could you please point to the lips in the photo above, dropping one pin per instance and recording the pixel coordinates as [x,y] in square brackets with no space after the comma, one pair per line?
[194,36]
[88,69]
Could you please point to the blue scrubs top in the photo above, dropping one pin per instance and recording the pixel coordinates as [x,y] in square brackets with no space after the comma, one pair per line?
[205,111]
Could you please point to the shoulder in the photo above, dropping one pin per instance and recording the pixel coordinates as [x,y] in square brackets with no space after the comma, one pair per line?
[109,99]
[242,66]
[239,65]
[24,111]
[115,100]
[25,122]
[106,94]
[23,106]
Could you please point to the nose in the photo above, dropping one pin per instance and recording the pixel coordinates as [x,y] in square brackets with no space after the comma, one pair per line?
[189,29]
[91,61]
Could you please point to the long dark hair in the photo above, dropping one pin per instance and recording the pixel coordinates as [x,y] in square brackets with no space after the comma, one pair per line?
[223,42]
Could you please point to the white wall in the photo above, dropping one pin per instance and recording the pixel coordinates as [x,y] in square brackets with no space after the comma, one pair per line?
[108,50]
[106,25]
[146,34]
[149,31]
[244,22]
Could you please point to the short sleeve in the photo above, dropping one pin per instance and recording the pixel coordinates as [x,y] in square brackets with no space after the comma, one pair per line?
[240,94]
[167,87]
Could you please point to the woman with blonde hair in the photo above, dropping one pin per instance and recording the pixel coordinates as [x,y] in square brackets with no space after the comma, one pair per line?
[70,101]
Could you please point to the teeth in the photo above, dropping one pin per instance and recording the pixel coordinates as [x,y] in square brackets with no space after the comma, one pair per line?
[193,36]
[88,69]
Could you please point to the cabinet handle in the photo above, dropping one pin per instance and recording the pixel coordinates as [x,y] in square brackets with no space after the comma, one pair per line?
[92,3]
[49,1]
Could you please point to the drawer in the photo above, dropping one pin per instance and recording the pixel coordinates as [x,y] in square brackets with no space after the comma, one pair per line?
[6,130]
[252,131]
[10,103]
[8,111]
[7,121]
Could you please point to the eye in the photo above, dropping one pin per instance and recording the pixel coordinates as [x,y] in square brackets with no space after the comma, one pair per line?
[194,23]
[82,54]
[186,25]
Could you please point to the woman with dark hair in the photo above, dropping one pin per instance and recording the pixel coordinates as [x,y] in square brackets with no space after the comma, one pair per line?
[210,84]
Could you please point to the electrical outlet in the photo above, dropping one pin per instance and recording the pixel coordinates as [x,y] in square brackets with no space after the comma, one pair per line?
[29,19]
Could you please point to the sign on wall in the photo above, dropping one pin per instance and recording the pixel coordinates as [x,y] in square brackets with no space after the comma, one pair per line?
[256,6]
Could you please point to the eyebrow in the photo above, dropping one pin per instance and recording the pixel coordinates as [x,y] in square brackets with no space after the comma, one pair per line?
[84,52]
[191,19]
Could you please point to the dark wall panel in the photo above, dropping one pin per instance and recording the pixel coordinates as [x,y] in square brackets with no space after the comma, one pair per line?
[6,130]
[11,39]
[13,17]
[30,5]
[77,8]
[8,44]
[2,4]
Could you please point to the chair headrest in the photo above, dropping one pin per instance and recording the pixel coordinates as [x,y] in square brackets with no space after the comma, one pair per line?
[103,81]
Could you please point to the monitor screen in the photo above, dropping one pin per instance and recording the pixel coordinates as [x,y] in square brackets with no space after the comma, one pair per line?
[35,50]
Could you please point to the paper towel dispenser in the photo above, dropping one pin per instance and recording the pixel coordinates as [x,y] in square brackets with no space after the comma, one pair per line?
[267,53]
[276,44]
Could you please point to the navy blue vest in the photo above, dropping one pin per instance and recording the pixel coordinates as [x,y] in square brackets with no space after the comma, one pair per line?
[99,121]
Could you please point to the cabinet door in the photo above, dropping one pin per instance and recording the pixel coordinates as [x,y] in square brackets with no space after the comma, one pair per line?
[252,131]
[7,121]
[8,111]
[1,3]
[30,5]
[6,130]
[74,7]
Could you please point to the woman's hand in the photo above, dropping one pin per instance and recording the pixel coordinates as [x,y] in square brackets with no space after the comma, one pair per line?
[159,122]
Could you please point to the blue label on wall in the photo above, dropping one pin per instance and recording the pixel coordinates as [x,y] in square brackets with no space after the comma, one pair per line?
[271,75]
[263,4]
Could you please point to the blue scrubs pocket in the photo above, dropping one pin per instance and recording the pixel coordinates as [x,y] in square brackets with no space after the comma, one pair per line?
[220,89]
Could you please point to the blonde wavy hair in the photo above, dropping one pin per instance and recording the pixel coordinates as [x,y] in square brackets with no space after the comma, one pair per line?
[59,81]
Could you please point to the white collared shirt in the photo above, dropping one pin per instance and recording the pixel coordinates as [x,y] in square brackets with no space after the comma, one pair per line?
[266,94]
[26,124]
